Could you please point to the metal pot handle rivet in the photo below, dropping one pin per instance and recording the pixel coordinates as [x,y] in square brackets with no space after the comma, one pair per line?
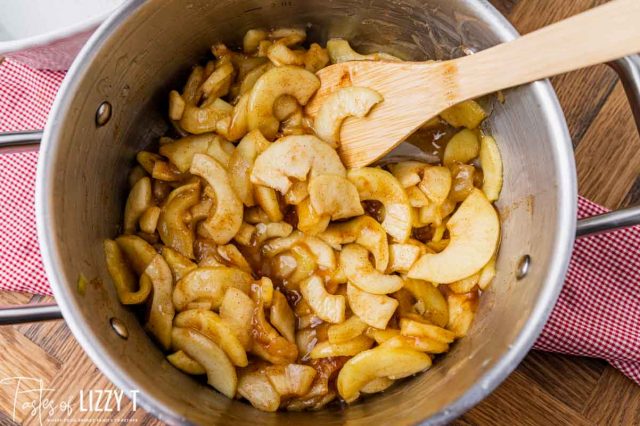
[119,328]
[103,114]
[523,267]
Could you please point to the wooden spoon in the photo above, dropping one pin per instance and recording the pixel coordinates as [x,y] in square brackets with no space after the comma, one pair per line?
[414,92]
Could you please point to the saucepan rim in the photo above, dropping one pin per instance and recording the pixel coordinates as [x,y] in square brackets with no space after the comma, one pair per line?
[565,226]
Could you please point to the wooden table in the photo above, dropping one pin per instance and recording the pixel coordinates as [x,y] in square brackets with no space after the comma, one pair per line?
[545,389]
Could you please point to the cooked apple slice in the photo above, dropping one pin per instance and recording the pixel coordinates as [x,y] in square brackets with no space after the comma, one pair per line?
[344,102]
[139,200]
[295,157]
[462,310]
[179,264]
[436,184]
[285,80]
[207,118]
[340,51]
[491,162]
[268,344]
[138,252]
[377,184]
[315,58]
[350,329]
[410,327]
[292,379]
[252,39]
[328,307]
[267,199]
[255,387]
[377,385]
[309,221]
[282,317]
[408,173]
[124,279]
[363,230]
[209,284]
[148,222]
[417,198]
[381,361]
[402,257]
[266,231]
[431,304]
[335,196]
[162,311]
[241,163]
[221,374]
[237,310]
[462,148]
[487,274]
[225,219]
[324,254]
[374,309]
[474,230]
[354,260]
[185,363]
[350,347]
[467,114]
[181,152]
[298,193]
[209,324]
[172,228]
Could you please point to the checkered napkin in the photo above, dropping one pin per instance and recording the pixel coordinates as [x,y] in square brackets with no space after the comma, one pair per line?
[597,314]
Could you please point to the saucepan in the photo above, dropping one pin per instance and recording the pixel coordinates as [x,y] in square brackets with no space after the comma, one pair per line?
[113,102]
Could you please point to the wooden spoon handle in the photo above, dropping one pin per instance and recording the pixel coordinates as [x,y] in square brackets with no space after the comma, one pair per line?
[596,36]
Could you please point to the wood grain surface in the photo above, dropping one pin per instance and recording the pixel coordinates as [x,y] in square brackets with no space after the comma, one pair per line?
[545,389]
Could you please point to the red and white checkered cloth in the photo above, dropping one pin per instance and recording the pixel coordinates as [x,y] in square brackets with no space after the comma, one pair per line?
[597,314]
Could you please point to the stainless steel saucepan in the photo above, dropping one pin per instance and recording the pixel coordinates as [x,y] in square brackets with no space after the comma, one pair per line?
[113,103]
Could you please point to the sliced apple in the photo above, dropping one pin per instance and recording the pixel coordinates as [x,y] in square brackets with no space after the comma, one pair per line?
[209,324]
[255,387]
[138,201]
[347,330]
[474,231]
[291,380]
[185,363]
[295,157]
[377,385]
[124,278]
[491,162]
[402,257]
[221,374]
[282,317]
[462,148]
[381,361]
[462,310]
[284,80]
[354,260]
[162,311]
[344,102]
[373,309]
[252,39]
[267,199]
[335,196]
[138,252]
[350,347]
[268,344]
[431,304]
[436,184]
[241,163]
[467,114]
[340,51]
[328,307]
[324,254]
[364,231]
[408,173]
[309,221]
[237,310]
[209,284]
[225,219]
[179,264]
[173,230]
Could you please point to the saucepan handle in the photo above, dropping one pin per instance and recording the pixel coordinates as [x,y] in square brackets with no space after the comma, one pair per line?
[628,68]
[20,142]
